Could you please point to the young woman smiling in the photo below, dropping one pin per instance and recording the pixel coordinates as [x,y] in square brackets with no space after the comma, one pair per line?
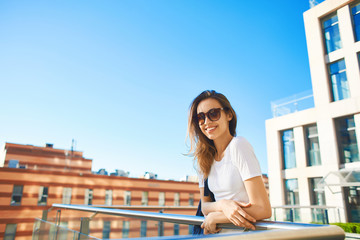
[229,164]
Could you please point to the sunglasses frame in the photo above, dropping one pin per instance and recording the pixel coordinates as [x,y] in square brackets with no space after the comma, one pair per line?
[207,114]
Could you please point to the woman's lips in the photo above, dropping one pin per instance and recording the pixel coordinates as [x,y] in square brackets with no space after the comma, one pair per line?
[210,129]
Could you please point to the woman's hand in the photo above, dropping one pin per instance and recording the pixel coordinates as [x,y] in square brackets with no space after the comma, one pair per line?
[233,210]
[209,224]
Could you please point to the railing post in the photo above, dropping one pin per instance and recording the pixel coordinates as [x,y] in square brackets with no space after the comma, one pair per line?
[326,217]
[274,214]
[291,215]
[84,228]
[160,227]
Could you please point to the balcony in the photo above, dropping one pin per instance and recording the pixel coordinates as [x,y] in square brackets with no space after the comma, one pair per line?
[271,230]
[291,104]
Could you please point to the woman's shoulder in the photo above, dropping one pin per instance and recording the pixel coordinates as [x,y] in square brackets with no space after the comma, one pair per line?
[240,144]
[240,141]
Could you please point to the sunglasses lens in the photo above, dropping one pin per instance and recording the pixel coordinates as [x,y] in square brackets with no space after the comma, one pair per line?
[214,114]
[201,118]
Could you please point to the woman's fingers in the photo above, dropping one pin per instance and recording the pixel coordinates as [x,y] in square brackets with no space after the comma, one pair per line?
[246,215]
[242,222]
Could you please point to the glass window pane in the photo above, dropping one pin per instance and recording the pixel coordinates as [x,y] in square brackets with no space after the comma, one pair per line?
[356,21]
[161,199]
[176,199]
[144,198]
[127,198]
[106,229]
[332,34]
[10,232]
[143,228]
[191,199]
[317,197]
[16,195]
[312,146]
[108,197]
[292,198]
[125,230]
[176,229]
[289,160]
[67,195]
[43,195]
[339,83]
[88,196]
[347,142]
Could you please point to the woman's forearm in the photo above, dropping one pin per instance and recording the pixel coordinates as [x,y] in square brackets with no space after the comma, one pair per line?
[258,210]
[208,207]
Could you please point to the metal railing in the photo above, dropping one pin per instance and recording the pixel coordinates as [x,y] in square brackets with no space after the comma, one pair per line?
[291,104]
[264,229]
[321,213]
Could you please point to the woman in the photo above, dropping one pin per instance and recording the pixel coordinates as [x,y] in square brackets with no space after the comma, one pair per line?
[229,164]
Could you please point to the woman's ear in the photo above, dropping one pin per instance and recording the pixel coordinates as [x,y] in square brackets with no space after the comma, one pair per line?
[230,116]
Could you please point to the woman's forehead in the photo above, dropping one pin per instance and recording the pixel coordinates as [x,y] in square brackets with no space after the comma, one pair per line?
[207,104]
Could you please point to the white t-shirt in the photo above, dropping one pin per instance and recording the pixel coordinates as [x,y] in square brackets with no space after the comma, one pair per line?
[226,178]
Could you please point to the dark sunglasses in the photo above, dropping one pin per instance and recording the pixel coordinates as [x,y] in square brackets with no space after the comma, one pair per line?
[213,114]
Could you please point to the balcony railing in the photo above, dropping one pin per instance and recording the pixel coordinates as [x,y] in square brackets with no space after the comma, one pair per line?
[264,229]
[291,104]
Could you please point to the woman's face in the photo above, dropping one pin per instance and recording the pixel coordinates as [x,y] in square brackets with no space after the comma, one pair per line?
[213,129]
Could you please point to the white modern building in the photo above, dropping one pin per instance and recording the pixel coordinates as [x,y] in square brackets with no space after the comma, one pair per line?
[313,154]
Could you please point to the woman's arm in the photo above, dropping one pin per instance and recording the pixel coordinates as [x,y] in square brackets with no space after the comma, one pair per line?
[240,214]
[210,208]
[260,205]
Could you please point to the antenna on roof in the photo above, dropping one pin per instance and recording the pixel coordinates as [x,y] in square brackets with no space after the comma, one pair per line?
[72,146]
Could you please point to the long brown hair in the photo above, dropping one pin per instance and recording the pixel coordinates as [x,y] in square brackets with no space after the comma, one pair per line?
[203,148]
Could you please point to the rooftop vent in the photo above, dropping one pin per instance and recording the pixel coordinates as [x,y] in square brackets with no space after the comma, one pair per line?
[49,145]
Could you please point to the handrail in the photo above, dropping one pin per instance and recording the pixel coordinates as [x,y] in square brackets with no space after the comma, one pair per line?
[278,229]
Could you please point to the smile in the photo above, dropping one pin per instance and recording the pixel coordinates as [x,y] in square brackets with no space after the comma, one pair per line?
[210,129]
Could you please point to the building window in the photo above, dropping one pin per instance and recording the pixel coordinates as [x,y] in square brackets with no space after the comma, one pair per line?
[10,232]
[161,199]
[317,197]
[339,84]
[347,143]
[143,228]
[191,199]
[312,146]
[108,197]
[288,145]
[292,198]
[88,196]
[191,229]
[127,198]
[356,20]
[145,198]
[176,199]
[125,230]
[176,229]
[43,196]
[66,195]
[332,34]
[106,230]
[352,199]
[13,163]
[16,195]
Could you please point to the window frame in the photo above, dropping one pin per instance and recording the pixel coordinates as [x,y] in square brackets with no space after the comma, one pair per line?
[20,195]
[42,196]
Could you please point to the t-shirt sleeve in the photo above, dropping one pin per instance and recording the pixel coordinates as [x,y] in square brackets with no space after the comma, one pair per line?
[245,159]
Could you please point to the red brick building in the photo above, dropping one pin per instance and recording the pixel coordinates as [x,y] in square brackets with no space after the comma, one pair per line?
[33,178]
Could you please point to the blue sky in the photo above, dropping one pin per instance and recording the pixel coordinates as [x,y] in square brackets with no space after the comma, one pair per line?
[119,76]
